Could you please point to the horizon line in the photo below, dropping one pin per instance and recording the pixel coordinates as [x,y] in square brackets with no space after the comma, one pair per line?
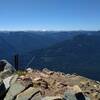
[44,30]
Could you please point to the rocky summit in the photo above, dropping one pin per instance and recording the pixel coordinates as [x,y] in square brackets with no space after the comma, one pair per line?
[33,84]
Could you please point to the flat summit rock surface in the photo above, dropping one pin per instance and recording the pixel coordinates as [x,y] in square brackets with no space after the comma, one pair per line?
[56,83]
[32,84]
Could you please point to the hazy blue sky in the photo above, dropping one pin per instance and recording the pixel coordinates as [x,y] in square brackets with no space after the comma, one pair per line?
[49,14]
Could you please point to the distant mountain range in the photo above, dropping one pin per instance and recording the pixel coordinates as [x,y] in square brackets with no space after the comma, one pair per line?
[31,40]
[66,51]
[81,55]
[21,42]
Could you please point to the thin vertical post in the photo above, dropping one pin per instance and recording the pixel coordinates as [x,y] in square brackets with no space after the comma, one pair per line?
[16,61]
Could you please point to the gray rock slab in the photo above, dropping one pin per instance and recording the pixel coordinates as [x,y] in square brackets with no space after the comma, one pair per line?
[6,69]
[52,98]
[6,81]
[29,94]
[14,90]
[2,90]
[37,97]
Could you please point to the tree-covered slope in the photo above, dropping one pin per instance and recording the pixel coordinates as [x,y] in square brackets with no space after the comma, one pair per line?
[80,54]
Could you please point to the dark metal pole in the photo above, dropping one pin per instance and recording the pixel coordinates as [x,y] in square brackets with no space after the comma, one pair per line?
[16,61]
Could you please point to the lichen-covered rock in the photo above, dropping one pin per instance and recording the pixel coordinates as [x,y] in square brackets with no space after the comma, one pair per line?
[46,71]
[29,70]
[4,86]
[14,90]
[52,98]
[17,88]
[74,93]
[53,85]
[40,83]
[28,94]
[6,73]
[14,79]
[7,81]
[37,96]
[2,90]
[6,69]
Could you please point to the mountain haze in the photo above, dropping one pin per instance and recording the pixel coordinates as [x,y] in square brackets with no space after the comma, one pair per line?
[80,54]
[32,40]
[66,51]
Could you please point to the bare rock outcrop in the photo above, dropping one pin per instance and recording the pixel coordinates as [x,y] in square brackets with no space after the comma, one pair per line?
[45,85]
